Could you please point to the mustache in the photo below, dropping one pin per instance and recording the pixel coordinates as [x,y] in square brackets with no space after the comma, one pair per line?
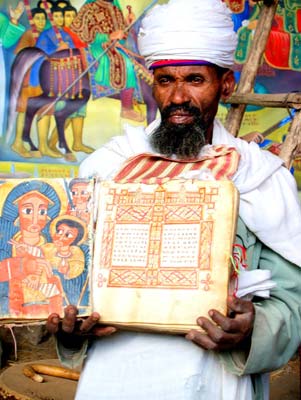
[185,107]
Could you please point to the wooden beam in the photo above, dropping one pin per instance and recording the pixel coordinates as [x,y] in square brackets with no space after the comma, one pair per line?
[292,143]
[279,100]
[249,72]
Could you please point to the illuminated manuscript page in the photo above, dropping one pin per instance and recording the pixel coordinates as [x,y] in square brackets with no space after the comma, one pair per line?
[46,233]
[162,252]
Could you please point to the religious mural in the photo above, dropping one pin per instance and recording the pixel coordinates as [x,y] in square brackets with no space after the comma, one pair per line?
[45,246]
[280,71]
[72,77]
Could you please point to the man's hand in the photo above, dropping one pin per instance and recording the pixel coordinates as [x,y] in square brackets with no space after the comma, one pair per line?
[63,46]
[256,137]
[117,35]
[131,17]
[15,13]
[36,266]
[73,331]
[227,333]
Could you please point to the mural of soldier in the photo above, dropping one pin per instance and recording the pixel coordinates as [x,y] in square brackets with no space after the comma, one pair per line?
[100,23]
[10,33]
[38,20]
[76,120]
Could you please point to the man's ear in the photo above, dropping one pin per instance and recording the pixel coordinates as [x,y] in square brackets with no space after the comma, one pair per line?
[228,85]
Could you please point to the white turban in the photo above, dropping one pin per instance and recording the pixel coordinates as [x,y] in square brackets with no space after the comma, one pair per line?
[188,30]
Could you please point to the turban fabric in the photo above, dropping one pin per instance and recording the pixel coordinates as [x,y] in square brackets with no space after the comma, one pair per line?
[200,30]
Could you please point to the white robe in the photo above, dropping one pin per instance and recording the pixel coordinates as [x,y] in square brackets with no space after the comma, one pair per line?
[261,180]
[145,366]
[168,367]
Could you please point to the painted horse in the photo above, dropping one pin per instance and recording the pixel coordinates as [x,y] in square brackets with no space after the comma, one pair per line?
[65,85]
[65,89]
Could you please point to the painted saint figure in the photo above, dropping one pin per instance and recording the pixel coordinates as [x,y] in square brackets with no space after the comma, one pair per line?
[64,254]
[67,257]
[81,196]
[33,288]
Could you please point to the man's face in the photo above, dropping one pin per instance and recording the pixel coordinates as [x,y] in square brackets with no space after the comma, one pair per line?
[80,195]
[196,86]
[188,98]
[33,213]
[64,235]
[69,17]
[39,21]
[58,19]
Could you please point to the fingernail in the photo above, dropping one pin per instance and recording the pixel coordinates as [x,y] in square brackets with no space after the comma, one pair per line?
[113,330]
[189,336]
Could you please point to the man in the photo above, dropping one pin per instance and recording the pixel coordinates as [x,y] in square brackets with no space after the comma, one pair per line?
[50,41]
[28,39]
[192,61]
[81,198]
[99,23]
[10,32]
[76,119]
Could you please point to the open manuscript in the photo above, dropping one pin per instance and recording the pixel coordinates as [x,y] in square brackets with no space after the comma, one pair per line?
[162,252]
[157,257]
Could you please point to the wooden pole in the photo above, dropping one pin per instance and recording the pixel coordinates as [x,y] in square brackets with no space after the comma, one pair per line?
[292,143]
[275,100]
[249,72]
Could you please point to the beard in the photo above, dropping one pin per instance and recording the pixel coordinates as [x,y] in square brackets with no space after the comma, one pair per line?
[181,140]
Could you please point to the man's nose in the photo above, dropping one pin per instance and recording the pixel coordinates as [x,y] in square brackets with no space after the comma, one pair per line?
[35,217]
[179,93]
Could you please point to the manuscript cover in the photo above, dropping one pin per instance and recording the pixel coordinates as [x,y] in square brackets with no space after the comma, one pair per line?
[45,246]
[162,252]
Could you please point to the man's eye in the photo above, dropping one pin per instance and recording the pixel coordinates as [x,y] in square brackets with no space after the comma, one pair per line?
[196,79]
[27,211]
[164,80]
[43,211]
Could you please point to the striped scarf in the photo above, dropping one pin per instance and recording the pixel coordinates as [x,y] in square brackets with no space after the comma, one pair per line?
[222,161]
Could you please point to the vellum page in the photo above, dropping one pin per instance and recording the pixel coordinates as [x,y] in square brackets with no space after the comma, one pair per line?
[46,233]
[162,252]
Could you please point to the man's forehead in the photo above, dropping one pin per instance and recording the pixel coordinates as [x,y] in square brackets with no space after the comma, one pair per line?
[39,15]
[33,195]
[79,184]
[183,70]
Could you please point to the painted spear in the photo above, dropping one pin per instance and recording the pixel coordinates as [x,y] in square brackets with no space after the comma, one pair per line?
[95,61]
